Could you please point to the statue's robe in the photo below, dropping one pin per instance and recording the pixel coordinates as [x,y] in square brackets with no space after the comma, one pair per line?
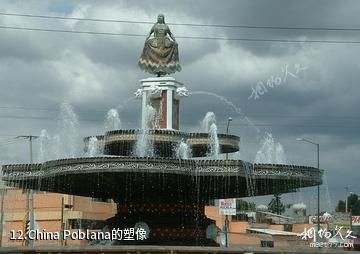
[160,54]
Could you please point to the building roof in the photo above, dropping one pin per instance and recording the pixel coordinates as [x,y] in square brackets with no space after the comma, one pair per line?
[272,231]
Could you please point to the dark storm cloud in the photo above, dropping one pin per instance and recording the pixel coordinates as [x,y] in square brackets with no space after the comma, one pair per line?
[282,13]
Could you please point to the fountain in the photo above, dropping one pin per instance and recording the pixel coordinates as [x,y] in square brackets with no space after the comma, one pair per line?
[112,120]
[183,151]
[209,126]
[153,188]
[93,148]
[270,152]
[160,177]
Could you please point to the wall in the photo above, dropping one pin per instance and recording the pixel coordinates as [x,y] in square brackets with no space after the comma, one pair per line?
[47,212]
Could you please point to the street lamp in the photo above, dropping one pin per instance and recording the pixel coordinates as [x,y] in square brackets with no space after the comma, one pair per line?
[226,216]
[347,199]
[318,167]
[227,131]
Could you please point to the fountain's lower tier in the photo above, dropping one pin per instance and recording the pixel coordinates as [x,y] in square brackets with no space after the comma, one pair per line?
[146,179]
[169,195]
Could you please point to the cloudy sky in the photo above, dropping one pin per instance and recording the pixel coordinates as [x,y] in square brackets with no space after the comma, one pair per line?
[316,96]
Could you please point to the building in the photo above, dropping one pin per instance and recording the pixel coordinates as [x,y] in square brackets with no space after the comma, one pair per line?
[49,210]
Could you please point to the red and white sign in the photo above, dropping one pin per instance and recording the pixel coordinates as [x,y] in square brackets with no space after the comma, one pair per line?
[227,206]
[355,220]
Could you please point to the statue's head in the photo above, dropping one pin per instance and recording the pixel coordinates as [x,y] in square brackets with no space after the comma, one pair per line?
[161,19]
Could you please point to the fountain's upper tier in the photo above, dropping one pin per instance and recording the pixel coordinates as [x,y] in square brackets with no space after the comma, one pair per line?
[165,142]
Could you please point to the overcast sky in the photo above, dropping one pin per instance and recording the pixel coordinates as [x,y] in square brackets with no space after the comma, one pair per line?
[319,101]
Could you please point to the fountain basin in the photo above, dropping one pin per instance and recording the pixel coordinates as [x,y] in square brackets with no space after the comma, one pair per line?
[168,194]
[138,178]
[122,142]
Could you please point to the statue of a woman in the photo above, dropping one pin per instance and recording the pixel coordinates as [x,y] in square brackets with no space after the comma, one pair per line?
[160,55]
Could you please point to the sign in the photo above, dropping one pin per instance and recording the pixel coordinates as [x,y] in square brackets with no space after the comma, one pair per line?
[340,219]
[355,220]
[323,219]
[227,206]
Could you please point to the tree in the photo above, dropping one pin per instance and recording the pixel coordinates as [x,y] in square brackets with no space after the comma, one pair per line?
[243,205]
[275,205]
[340,206]
[353,204]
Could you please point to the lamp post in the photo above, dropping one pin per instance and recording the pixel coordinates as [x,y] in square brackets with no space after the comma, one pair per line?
[29,194]
[226,216]
[347,199]
[227,131]
[318,167]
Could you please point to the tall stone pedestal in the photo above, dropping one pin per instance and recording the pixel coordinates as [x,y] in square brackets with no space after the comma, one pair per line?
[163,94]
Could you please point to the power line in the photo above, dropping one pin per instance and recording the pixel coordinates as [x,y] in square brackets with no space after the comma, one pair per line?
[45,109]
[182,37]
[92,119]
[182,24]
[6,140]
[70,31]
[235,124]
[248,115]
[12,142]
[47,118]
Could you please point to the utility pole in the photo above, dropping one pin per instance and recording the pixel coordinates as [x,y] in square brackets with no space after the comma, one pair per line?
[2,193]
[29,221]
[227,132]
[62,225]
[318,187]
[226,216]
[346,200]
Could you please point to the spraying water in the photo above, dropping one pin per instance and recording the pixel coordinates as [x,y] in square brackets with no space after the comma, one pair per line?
[270,152]
[68,125]
[112,121]
[93,147]
[144,146]
[214,144]
[124,104]
[230,104]
[44,146]
[65,143]
[150,119]
[183,151]
[209,126]
[55,147]
[50,147]
[208,120]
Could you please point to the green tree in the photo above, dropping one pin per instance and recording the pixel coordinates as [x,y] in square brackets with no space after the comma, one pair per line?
[243,205]
[353,204]
[340,206]
[275,205]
